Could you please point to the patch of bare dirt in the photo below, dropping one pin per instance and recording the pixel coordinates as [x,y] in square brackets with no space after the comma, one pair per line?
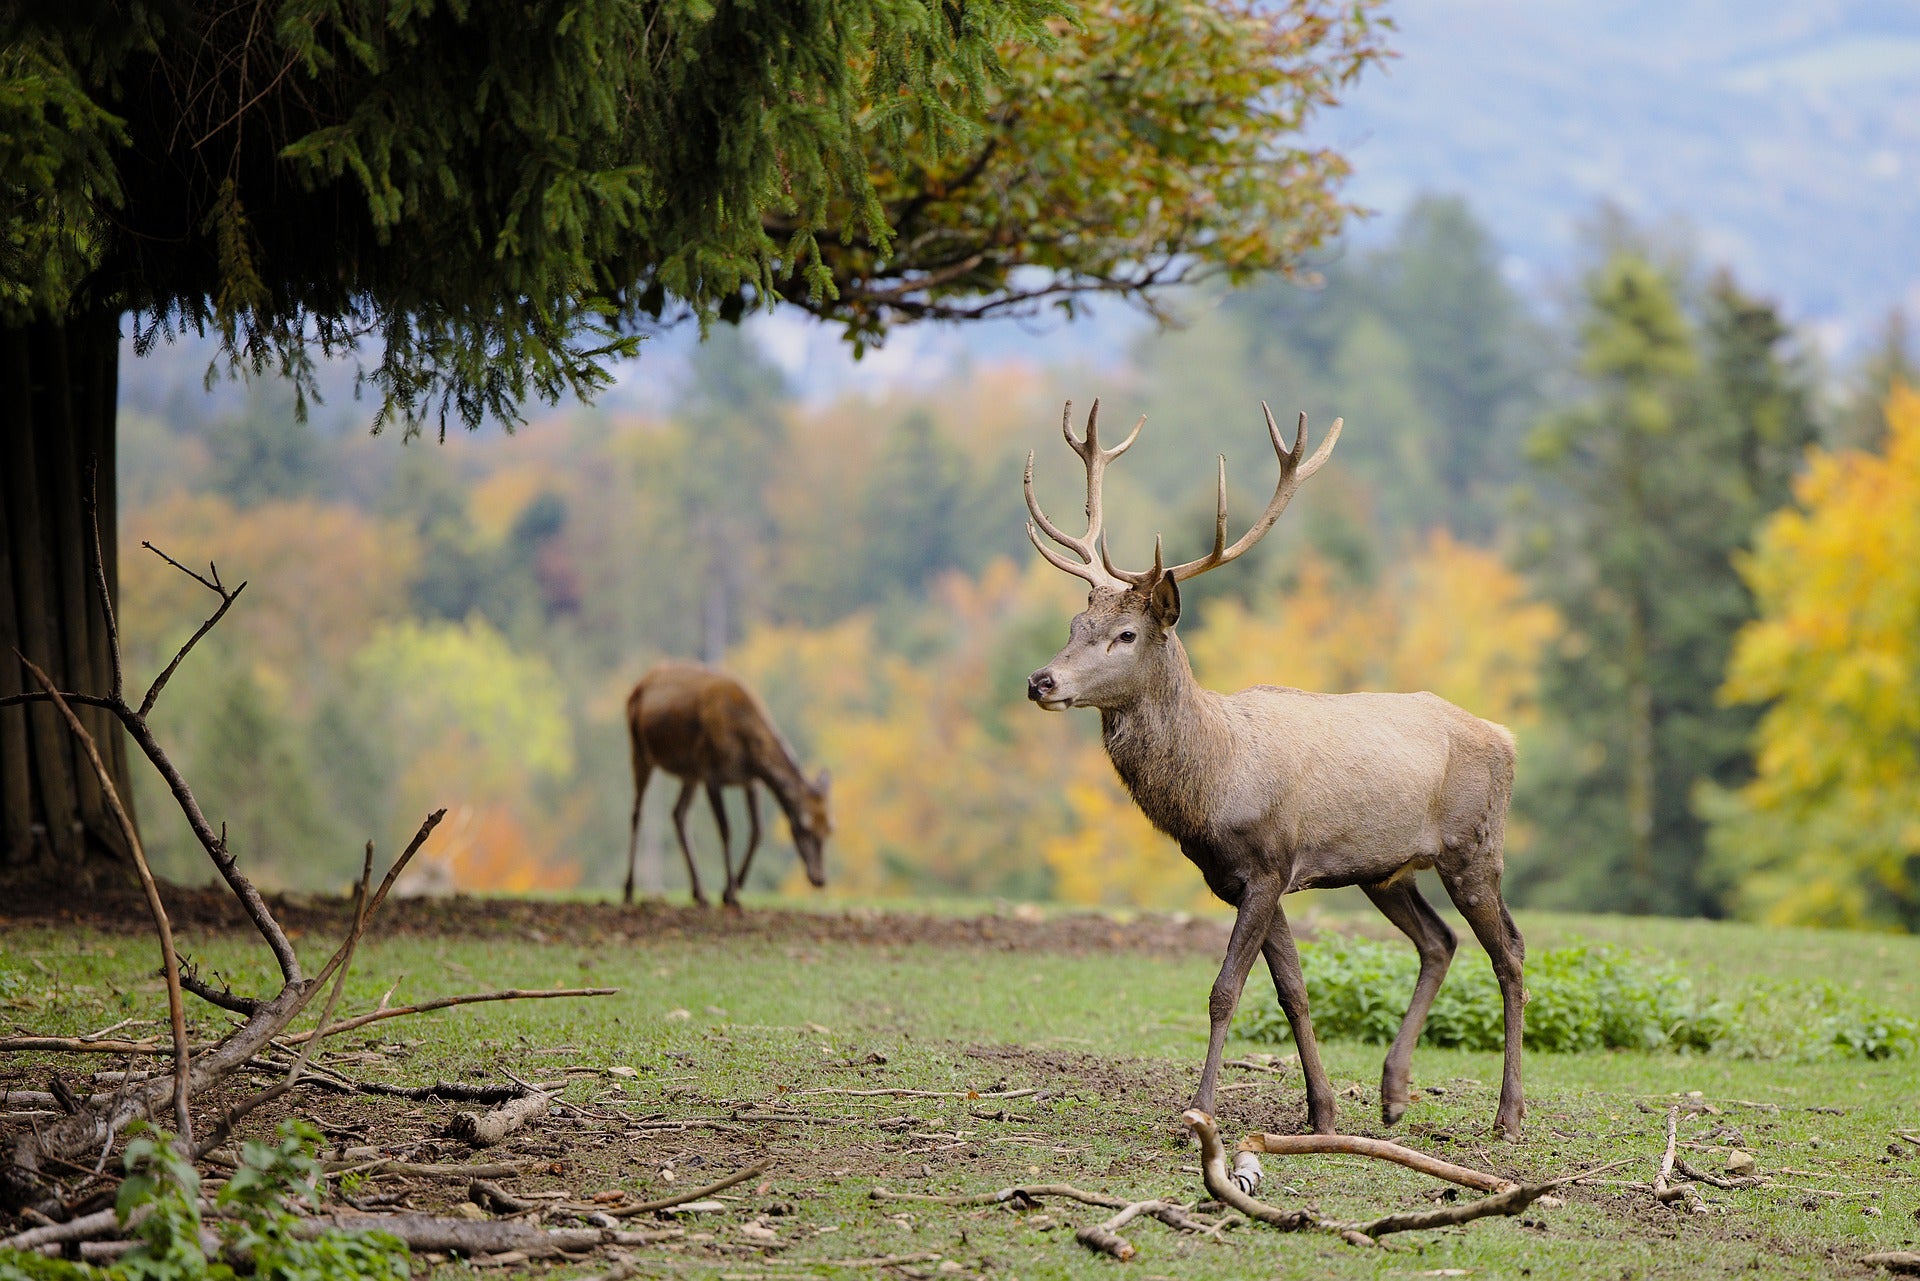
[1016,930]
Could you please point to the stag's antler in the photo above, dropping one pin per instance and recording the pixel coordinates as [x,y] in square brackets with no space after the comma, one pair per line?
[1096,460]
[1292,473]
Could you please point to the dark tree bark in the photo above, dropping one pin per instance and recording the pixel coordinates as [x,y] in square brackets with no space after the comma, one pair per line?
[58,387]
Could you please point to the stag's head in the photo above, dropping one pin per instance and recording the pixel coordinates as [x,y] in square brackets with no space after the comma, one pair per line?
[1121,647]
[812,824]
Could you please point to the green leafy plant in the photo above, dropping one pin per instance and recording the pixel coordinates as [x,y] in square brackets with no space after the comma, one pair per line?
[1581,998]
[255,1220]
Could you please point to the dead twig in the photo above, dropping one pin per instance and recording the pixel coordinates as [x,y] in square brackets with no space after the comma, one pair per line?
[1222,1185]
[1105,1238]
[681,1198]
[484,1129]
[918,1094]
[1379,1149]
[77,1045]
[1717,1181]
[447,1002]
[496,1199]
[1905,1262]
[169,956]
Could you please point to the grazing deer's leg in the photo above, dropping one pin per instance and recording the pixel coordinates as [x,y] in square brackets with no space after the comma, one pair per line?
[731,894]
[1259,904]
[753,832]
[1475,891]
[1402,903]
[1283,961]
[641,774]
[680,808]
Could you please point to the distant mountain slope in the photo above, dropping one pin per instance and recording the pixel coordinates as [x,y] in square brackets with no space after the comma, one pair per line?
[1786,133]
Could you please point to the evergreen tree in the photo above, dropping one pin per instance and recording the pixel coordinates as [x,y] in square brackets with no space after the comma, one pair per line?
[1645,494]
[488,204]
[1862,419]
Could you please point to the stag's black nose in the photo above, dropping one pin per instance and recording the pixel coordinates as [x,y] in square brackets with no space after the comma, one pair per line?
[1039,685]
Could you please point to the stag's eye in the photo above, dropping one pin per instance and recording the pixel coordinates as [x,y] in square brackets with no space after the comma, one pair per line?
[1125,638]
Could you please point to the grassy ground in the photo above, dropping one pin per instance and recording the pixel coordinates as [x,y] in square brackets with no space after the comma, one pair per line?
[711,1019]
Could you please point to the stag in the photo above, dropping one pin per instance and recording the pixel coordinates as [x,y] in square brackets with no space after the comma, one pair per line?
[1272,789]
[707,729]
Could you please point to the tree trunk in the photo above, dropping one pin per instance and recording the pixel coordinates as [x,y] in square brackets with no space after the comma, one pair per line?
[59,381]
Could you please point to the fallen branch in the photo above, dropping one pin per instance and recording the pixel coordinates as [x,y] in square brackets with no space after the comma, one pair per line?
[1220,1183]
[1902,1261]
[78,1045]
[470,1236]
[1380,1149]
[484,1129]
[1105,1238]
[695,1194]
[918,1094]
[446,1002]
[492,1197]
[1717,1181]
[169,955]
[1661,1191]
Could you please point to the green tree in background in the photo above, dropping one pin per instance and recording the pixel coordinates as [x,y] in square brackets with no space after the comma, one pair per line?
[1861,422]
[1422,347]
[483,205]
[1644,494]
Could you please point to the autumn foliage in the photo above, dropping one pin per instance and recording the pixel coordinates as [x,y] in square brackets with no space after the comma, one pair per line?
[1828,832]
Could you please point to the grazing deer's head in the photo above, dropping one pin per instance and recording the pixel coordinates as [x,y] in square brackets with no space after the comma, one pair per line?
[1121,648]
[812,825]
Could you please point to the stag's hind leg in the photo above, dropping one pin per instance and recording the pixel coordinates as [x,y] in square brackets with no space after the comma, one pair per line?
[1476,892]
[641,773]
[680,808]
[1402,903]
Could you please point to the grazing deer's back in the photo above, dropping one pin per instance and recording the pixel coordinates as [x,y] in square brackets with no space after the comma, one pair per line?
[692,721]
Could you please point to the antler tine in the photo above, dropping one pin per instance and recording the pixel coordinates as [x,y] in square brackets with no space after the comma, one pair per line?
[1095,459]
[1087,572]
[1134,577]
[1054,532]
[1292,473]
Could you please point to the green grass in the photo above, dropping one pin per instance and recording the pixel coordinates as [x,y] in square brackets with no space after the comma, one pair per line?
[710,1024]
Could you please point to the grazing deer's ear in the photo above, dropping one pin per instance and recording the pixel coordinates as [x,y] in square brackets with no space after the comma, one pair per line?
[1164,601]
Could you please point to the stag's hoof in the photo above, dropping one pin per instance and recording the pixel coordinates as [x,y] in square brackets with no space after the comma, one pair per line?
[1391,1110]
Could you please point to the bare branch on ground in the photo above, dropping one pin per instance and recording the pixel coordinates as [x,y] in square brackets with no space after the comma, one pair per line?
[1380,1149]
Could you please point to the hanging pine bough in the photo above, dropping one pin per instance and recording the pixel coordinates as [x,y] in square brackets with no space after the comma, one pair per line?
[35,1159]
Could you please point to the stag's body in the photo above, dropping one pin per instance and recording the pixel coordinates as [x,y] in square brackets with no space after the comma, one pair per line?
[708,730]
[1272,790]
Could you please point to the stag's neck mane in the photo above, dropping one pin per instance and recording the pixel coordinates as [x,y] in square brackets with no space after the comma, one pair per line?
[1169,744]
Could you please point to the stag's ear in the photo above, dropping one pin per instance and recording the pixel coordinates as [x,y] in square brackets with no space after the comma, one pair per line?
[1164,601]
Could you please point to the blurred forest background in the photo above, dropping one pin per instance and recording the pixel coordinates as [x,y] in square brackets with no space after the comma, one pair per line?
[1647,528]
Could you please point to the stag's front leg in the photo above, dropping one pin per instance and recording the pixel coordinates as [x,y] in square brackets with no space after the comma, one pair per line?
[753,834]
[1258,904]
[1283,959]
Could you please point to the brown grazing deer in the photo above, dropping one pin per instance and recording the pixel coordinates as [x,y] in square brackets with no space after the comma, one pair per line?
[1272,789]
[706,728]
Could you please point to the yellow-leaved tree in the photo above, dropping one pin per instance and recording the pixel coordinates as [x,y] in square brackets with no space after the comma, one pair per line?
[1828,831]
